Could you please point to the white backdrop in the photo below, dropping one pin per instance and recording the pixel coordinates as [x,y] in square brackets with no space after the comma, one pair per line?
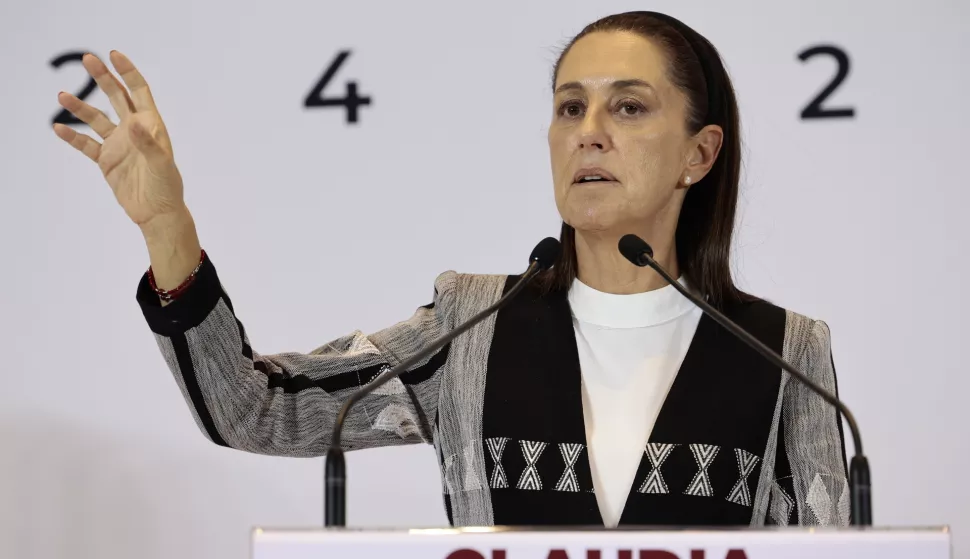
[319,227]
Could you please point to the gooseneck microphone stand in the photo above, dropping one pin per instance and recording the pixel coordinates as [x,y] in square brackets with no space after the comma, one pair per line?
[545,254]
[637,251]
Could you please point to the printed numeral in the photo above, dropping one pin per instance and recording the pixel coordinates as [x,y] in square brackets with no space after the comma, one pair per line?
[64,116]
[351,100]
[814,109]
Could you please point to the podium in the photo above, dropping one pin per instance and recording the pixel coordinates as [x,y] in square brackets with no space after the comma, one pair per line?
[600,543]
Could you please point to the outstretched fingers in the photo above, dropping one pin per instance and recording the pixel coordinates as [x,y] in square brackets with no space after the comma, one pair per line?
[82,142]
[140,93]
[109,84]
[97,120]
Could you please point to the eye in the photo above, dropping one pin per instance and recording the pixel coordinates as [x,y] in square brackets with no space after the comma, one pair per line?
[570,109]
[630,108]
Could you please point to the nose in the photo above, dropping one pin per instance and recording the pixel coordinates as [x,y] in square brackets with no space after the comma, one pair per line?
[593,134]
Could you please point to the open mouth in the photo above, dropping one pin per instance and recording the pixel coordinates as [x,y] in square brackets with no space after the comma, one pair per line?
[588,176]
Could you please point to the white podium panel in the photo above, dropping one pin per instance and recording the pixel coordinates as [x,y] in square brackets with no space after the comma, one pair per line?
[517,543]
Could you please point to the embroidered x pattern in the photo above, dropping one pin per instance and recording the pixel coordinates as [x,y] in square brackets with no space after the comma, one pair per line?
[530,477]
[657,453]
[570,454]
[704,455]
[496,447]
[746,464]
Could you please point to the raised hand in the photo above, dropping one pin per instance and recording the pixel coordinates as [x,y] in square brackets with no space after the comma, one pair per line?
[137,162]
[136,155]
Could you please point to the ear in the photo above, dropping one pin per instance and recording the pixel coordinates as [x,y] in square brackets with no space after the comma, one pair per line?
[702,152]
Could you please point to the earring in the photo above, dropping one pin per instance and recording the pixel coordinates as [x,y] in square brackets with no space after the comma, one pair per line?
[687,181]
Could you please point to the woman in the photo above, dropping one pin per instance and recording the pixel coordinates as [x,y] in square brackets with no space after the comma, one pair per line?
[599,395]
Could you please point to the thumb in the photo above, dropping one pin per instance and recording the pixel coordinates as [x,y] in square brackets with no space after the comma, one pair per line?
[146,143]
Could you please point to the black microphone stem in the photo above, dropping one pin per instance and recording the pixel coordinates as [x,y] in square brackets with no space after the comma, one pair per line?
[335,481]
[859,478]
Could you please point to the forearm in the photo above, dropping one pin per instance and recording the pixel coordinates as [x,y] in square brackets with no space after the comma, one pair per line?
[285,403]
[173,247]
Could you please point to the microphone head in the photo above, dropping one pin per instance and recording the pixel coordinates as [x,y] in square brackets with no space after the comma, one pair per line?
[546,253]
[634,249]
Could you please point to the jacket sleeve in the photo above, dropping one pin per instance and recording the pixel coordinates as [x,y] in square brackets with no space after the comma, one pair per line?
[285,404]
[811,486]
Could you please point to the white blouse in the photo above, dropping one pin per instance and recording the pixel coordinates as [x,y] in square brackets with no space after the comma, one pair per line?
[630,349]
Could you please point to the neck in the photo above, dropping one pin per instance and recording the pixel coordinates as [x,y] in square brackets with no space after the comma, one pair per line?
[602,267]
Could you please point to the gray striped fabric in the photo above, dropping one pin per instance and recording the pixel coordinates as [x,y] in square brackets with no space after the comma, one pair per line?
[812,439]
[251,416]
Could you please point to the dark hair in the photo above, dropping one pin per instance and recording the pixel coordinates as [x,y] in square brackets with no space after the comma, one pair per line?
[706,222]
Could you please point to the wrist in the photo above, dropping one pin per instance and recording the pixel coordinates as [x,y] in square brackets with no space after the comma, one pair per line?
[168,226]
[173,247]
[169,295]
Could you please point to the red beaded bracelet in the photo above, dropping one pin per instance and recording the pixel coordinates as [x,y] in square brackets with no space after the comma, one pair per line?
[172,294]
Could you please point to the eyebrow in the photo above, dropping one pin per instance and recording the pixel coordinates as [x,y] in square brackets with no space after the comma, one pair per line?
[618,84]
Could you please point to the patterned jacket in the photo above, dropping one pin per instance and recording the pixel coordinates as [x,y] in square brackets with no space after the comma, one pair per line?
[737,442]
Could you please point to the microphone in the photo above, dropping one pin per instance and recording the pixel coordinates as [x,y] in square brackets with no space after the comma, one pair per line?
[543,256]
[637,251]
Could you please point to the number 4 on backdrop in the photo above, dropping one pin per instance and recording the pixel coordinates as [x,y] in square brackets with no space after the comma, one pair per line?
[351,100]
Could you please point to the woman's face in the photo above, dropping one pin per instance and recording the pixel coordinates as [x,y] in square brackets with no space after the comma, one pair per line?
[619,118]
